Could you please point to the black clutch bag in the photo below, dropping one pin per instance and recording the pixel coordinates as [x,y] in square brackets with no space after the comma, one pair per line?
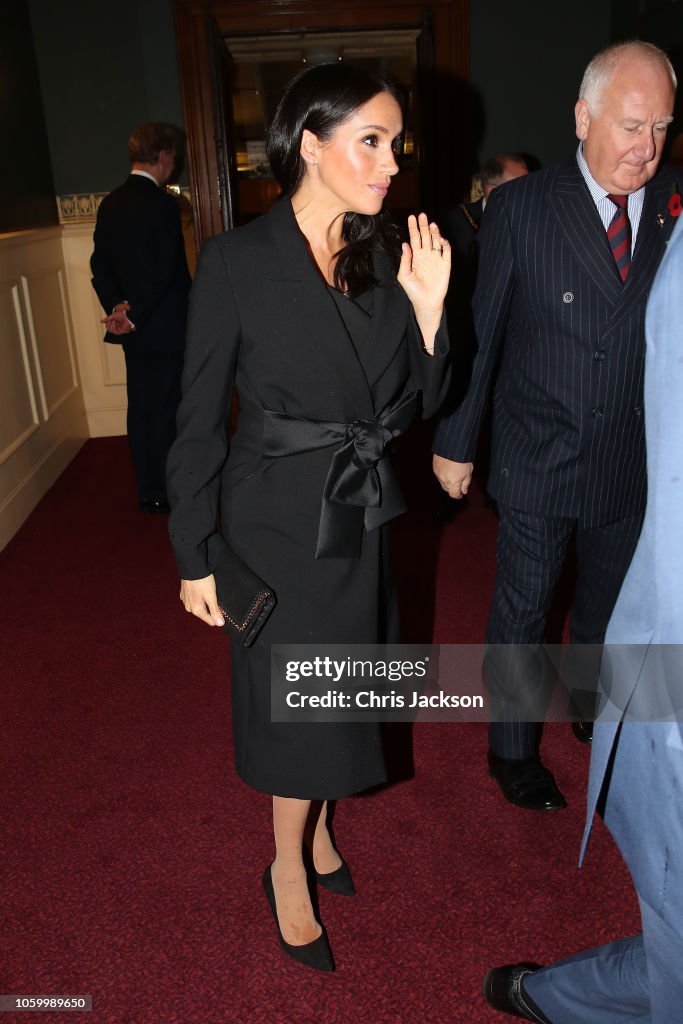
[244,599]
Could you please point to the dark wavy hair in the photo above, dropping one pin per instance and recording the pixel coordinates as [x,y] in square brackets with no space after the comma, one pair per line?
[320,99]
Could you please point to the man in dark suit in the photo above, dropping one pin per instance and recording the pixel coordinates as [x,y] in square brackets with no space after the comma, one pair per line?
[567,257]
[141,278]
[637,757]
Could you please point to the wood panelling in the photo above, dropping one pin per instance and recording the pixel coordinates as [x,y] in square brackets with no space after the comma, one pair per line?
[102,366]
[42,419]
[50,337]
[18,413]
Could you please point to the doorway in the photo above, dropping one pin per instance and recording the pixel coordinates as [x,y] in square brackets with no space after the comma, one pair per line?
[236,57]
[262,67]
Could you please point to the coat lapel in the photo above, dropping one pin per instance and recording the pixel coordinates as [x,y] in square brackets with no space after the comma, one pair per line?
[316,318]
[581,225]
[388,321]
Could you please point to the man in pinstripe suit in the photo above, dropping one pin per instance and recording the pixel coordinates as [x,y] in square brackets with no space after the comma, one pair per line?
[566,264]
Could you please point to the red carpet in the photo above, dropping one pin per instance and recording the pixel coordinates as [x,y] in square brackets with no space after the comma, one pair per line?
[132,854]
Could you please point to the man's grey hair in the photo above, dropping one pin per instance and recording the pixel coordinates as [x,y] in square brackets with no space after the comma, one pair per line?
[600,70]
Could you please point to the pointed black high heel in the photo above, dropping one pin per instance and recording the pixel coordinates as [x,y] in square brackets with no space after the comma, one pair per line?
[339,881]
[316,954]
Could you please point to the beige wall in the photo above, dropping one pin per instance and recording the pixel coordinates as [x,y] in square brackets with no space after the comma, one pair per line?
[43,418]
[102,366]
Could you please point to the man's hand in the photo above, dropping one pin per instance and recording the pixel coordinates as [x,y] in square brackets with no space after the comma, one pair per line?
[118,322]
[199,597]
[454,477]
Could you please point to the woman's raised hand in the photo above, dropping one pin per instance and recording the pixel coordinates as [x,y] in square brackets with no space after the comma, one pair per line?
[425,265]
[423,274]
[199,597]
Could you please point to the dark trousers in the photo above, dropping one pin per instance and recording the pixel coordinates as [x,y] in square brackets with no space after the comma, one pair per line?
[153,384]
[530,553]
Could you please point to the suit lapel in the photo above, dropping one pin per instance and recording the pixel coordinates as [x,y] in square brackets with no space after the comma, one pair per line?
[649,249]
[317,319]
[580,223]
[651,237]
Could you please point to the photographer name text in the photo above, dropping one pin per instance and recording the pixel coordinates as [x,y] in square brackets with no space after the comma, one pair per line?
[369,699]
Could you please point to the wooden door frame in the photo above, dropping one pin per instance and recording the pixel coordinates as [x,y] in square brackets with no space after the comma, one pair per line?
[259,17]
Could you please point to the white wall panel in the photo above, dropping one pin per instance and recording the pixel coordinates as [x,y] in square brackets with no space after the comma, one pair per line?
[18,409]
[48,321]
[42,418]
[102,366]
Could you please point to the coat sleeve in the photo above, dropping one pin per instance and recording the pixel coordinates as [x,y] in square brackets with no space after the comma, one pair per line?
[430,374]
[457,431]
[664,434]
[201,446]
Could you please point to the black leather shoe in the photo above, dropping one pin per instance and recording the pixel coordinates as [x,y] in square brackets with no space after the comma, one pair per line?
[503,989]
[583,731]
[155,506]
[339,881]
[526,783]
[316,954]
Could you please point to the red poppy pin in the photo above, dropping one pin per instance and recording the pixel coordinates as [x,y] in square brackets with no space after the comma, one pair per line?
[674,205]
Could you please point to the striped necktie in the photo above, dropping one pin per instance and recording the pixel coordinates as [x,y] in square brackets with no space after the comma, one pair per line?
[619,235]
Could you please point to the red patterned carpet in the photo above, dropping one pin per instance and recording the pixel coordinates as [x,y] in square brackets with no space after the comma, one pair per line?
[132,854]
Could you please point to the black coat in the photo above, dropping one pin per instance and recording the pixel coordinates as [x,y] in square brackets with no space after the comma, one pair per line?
[262,316]
[139,257]
[551,309]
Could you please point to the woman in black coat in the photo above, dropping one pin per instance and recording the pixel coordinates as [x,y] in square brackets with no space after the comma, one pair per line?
[304,311]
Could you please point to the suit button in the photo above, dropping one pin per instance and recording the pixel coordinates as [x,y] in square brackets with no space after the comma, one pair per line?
[598,410]
[638,410]
[599,355]
[504,472]
[567,298]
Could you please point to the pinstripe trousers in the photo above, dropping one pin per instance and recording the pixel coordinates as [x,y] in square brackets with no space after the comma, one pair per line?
[530,554]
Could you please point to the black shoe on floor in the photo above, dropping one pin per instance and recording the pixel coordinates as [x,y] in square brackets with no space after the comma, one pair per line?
[155,506]
[316,954]
[503,989]
[583,731]
[526,783]
[339,881]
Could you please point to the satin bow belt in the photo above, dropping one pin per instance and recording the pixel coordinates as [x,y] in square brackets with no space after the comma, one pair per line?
[361,489]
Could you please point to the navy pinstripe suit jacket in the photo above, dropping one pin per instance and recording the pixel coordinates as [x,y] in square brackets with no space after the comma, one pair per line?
[565,341]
